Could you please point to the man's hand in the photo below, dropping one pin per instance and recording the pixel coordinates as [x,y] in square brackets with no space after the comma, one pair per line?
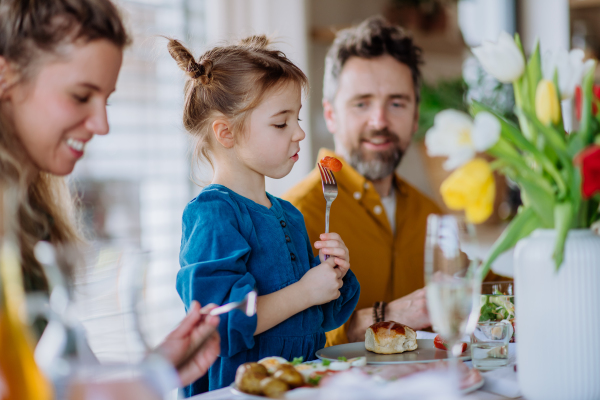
[194,345]
[331,244]
[410,310]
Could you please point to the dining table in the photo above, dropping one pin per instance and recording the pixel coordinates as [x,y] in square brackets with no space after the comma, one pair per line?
[499,384]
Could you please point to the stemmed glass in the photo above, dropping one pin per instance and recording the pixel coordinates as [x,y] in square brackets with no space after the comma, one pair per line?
[452,279]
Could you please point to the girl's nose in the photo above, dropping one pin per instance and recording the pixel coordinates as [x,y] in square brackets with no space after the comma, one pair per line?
[299,135]
[97,122]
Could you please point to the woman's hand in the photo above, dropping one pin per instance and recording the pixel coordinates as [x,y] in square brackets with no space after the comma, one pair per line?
[194,345]
[331,244]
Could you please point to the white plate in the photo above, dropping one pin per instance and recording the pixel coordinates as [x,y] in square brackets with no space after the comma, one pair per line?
[425,353]
[300,393]
[305,393]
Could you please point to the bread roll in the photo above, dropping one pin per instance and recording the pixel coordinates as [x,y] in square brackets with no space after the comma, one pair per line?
[390,338]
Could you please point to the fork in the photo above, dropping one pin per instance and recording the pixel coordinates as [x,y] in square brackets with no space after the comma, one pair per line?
[247,306]
[330,192]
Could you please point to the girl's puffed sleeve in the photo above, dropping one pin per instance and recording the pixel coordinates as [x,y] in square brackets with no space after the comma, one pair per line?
[213,258]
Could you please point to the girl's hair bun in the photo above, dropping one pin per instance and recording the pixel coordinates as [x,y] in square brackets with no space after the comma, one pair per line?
[258,42]
[185,60]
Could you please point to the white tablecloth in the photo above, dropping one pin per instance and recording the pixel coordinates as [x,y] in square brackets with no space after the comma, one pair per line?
[502,381]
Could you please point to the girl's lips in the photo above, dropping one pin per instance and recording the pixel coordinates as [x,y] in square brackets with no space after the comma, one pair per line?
[295,157]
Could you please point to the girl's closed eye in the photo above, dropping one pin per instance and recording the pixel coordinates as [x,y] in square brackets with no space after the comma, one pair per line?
[284,124]
[81,98]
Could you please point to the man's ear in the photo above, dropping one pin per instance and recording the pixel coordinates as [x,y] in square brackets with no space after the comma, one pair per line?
[222,131]
[328,113]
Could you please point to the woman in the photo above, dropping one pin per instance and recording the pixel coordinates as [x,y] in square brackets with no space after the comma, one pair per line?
[59,62]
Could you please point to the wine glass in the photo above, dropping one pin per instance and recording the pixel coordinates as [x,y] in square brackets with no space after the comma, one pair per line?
[452,279]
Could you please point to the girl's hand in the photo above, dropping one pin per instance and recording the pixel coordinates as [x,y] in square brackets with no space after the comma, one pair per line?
[331,244]
[194,345]
[322,283]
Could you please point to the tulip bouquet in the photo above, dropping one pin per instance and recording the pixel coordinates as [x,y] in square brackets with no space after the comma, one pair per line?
[558,171]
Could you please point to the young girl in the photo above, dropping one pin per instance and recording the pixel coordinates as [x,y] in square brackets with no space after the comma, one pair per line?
[241,106]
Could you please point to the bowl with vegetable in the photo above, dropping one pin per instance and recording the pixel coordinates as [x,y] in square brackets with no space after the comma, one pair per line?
[498,303]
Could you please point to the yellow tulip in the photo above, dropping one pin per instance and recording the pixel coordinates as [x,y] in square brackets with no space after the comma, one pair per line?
[547,107]
[471,188]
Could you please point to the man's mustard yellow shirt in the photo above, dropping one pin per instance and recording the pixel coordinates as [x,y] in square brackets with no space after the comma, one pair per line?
[387,265]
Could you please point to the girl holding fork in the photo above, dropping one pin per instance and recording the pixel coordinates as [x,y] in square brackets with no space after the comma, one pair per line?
[241,107]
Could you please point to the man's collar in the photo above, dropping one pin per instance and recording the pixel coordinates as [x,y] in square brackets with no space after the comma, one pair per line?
[351,180]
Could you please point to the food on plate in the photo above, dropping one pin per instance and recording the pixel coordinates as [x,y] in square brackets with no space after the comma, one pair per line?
[271,363]
[332,163]
[248,381]
[316,377]
[288,374]
[358,361]
[274,388]
[441,344]
[339,365]
[308,368]
[273,376]
[390,337]
[496,307]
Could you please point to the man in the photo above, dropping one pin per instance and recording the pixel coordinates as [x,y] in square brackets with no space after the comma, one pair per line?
[370,101]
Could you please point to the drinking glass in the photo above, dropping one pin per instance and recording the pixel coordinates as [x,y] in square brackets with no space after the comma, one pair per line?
[489,344]
[452,279]
[498,303]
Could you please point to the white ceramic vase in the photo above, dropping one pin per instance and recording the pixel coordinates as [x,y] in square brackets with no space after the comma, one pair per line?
[558,317]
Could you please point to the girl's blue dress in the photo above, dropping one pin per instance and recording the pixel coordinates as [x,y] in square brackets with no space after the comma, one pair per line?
[231,245]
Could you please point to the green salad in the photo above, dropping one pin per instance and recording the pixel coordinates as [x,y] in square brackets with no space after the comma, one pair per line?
[496,307]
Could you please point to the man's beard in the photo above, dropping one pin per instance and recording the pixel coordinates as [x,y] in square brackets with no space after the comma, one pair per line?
[376,165]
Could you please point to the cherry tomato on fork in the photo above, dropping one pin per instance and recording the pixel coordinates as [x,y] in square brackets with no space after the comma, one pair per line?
[332,163]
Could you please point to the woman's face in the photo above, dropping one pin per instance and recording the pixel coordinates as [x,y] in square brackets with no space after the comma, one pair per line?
[58,111]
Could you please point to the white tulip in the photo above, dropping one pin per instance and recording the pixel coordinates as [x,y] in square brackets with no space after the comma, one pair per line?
[503,59]
[571,69]
[456,136]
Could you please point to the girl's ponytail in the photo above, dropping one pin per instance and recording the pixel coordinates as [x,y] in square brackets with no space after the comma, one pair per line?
[185,61]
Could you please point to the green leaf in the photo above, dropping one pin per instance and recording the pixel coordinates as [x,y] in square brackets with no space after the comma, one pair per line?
[585,134]
[563,215]
[326,362]
[555,81]
[554,138]
[525,222]
[534,73]
[297,360]
[539,199]
[342,359]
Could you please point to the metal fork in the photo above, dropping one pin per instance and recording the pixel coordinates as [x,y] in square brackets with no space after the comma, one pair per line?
[247,306]
[330,192]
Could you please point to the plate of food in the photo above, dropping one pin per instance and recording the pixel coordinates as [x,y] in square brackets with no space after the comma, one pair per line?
[276,377]
[392,343]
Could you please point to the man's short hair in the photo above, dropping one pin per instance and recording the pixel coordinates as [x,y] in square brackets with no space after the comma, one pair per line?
[373,38]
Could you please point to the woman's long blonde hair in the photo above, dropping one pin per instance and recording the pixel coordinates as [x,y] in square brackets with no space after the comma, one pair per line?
[33,32]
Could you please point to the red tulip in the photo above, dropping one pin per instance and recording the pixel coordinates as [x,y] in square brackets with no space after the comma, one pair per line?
[578,100]
[589,161]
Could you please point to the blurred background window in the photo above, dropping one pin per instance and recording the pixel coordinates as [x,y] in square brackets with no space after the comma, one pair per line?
[134,183]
